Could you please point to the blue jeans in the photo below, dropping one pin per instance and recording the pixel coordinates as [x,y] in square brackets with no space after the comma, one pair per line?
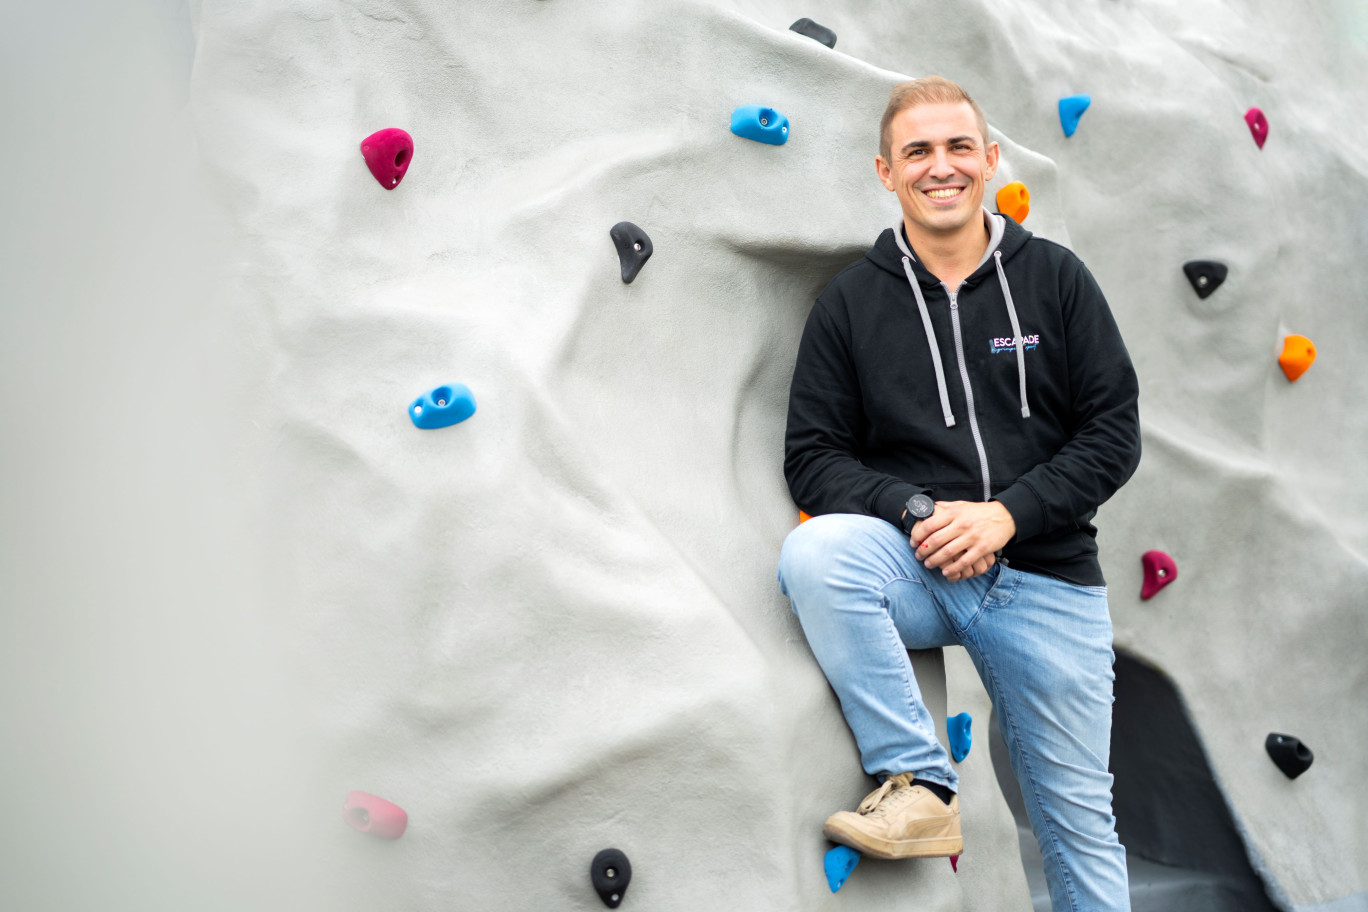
[1043,648]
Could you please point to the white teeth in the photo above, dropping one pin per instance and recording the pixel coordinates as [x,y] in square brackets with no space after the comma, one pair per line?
[943,194]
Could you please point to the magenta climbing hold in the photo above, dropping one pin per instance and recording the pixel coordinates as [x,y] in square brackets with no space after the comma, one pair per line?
[1160,570]
[1258,125]
[954,863]
[838,863]
[1070,110]
[388,153]
[376,816]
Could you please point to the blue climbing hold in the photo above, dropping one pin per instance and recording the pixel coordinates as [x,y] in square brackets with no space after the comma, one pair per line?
[443,406]
[761,124]
[840,861]
[1070,109]
[961,738]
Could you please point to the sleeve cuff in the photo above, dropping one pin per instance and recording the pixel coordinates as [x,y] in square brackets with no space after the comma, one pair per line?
[893,499]
[1025,508]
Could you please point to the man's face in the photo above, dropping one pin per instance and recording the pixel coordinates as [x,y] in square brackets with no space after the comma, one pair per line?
[939,166]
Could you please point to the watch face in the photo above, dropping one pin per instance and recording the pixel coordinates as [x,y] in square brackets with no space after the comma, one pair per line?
[921,506]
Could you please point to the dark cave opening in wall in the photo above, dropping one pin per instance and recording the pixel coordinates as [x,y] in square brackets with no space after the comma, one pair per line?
[1183,851]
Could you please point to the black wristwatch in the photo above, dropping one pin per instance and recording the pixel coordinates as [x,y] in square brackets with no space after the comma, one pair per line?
[919,507]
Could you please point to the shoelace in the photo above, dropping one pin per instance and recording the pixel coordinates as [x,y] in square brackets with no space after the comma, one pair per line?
[874,804]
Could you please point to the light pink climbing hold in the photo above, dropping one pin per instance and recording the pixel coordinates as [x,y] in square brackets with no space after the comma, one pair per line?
[388,153]
[1160,570]
[1258,125]
[376,816]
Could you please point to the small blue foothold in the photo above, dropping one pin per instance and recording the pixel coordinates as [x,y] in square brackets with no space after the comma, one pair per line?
[961,738]
[840,861]
[761,124]
[1070,109]
[443,406]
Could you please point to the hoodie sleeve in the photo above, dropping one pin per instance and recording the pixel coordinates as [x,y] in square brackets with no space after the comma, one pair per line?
[1105,448]
[825,422]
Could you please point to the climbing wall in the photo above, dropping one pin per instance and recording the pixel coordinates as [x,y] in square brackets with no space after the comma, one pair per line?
[512,293]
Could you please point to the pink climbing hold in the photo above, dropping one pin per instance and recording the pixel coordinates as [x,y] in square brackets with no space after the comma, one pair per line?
[954,863]
[376,816]
[1258,125]
[1160,570]
[388,153]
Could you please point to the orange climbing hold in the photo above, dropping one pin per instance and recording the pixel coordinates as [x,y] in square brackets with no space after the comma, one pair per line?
[1297,355]
[1014,201]
[803,517]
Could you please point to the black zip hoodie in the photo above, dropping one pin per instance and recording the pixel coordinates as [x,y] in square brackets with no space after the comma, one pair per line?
[1047,424]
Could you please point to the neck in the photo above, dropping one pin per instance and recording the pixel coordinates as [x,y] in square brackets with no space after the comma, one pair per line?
[951,256]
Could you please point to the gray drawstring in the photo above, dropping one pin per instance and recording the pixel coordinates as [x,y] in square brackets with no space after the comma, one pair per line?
[1016,333]
[930,332]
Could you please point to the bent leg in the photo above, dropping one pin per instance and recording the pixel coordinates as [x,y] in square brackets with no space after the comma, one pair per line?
[843,573]
[1044,650]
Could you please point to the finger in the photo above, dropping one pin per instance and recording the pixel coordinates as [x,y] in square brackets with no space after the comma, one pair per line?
[962,564]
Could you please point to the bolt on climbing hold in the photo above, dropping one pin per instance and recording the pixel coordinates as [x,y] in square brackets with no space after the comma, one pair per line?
[803,517]
[1291,756]
[1070,109]
[633,248]
[1160,570]
[1297,354]
[1258,125]
[954,863]
[610,872]
[388,153]
[761,124]
[960,728]
[1205,275]
[442,406]
[1014,201]
[376,816]
[814,31]
[839,862]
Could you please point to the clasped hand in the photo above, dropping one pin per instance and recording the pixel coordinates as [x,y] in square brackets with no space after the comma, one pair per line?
[962,537]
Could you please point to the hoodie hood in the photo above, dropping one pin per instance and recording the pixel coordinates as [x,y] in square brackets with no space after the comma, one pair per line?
[1005,236]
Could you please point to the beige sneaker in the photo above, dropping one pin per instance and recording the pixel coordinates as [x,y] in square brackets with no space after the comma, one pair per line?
[899,820]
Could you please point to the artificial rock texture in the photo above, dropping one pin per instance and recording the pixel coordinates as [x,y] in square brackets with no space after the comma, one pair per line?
[555,627]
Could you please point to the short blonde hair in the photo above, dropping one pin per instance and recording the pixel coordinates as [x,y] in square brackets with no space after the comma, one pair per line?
[927,90]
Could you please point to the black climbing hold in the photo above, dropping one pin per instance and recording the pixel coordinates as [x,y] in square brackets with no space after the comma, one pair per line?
[1205,275]
[611,872]
[814,31]
[633,247]
[1291,756]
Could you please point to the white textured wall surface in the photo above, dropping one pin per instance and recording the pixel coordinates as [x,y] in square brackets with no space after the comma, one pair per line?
[240,584]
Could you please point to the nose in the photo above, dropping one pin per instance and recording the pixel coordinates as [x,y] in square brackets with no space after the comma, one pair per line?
[940,164]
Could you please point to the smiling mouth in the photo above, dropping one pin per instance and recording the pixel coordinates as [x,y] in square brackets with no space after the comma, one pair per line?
[944,193]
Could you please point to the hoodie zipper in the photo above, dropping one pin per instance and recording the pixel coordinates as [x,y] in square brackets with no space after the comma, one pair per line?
[968,391]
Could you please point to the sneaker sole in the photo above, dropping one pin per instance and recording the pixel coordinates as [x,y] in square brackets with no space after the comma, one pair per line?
[876,847]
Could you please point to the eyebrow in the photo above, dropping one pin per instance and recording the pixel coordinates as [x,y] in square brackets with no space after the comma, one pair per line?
[925,144]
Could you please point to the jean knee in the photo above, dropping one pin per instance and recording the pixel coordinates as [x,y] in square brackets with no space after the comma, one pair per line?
[812,549]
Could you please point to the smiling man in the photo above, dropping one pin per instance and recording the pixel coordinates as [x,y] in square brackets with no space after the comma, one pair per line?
[961,404]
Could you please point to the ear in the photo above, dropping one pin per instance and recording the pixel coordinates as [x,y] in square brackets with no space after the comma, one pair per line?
[885,172]
[990,161]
